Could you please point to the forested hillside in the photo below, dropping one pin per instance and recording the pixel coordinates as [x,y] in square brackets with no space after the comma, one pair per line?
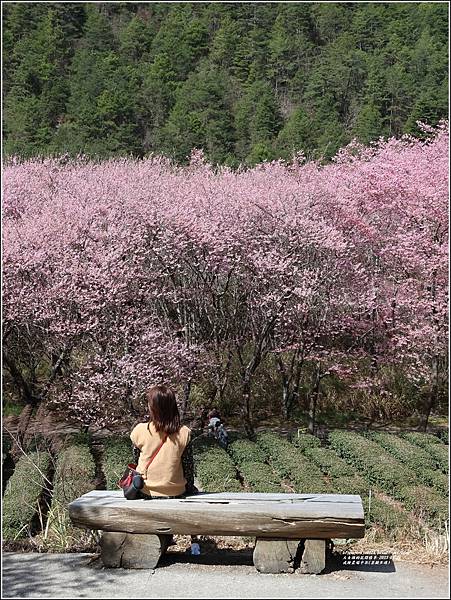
[244,81]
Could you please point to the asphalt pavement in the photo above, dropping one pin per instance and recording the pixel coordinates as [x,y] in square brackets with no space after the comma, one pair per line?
[183,576]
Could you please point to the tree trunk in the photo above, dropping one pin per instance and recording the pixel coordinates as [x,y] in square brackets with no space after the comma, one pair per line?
[432,398]
[286,399]
[314,402]
[246,408]
[186,395]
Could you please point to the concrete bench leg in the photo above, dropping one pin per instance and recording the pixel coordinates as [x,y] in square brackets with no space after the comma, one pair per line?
[314,556]
[132,550]
[275,555]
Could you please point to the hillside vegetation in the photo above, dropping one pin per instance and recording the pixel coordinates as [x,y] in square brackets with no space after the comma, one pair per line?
[245,82]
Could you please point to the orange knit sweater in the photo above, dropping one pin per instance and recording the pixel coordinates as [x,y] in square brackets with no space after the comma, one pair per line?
[164,476]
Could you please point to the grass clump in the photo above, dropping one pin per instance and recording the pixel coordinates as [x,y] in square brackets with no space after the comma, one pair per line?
[22,495]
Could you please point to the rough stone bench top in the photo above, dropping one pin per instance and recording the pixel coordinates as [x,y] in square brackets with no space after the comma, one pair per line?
[289,516]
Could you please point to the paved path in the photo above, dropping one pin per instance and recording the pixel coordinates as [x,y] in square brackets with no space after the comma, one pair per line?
[82,576]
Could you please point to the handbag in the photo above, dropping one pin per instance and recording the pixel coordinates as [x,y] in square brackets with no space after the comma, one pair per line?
[132,481]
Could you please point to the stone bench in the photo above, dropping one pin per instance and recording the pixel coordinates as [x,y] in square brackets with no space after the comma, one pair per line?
[290,529]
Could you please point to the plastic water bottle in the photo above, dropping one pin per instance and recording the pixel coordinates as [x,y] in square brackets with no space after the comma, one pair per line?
[195,549]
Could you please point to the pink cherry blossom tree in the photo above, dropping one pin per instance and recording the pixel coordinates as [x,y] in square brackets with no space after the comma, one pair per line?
[124,273]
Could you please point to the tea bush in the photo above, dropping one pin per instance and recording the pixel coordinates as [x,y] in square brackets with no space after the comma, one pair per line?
[260,477]
[433,445]
[440,455]
[350,484]
[439,481]
[380,512]
[421,439]
[379,467]
[117,453]
[289,463]
[410,454]
[416,458]
[214,468]
[74,476]
[250,459]
[22,494]
[443,434]
[305,441]
[329,463]
[246,451]
[425,503]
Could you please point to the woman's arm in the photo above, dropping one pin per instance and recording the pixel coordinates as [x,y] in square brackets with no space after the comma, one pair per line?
[188,469]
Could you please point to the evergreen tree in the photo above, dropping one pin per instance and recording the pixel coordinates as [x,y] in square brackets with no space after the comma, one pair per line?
[156,98]
[257,117]
[100,118]
[35,100]
[298,134]
[201,117]
[110,78]
[368,125]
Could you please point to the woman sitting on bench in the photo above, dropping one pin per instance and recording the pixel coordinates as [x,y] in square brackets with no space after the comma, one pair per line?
[166,445]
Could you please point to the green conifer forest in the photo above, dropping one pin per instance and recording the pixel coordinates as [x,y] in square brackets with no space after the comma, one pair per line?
[245,82]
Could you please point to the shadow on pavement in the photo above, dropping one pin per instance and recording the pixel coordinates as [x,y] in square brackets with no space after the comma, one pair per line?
[219,556]
[38,574]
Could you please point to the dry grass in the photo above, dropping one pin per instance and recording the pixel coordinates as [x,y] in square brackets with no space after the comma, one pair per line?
[419,544]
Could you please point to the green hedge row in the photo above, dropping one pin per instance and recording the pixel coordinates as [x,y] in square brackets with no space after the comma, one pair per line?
[22,494]
[289,463]
[380,512]
[433,445]
[251,461]
[421,439]
[329,463]
[439,481]
[443,434]
[440,455]
[344,480]
[379,467]
[213,467]
[246,451]
[260,477]
[304,441]
[350,484]
[117,453]
[74,476]
[426,503]
[415,457]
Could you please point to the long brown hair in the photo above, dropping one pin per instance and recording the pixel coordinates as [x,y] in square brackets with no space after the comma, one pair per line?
[163,409]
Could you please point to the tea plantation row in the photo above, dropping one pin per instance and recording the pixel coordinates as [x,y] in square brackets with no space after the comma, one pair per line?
[406,475]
